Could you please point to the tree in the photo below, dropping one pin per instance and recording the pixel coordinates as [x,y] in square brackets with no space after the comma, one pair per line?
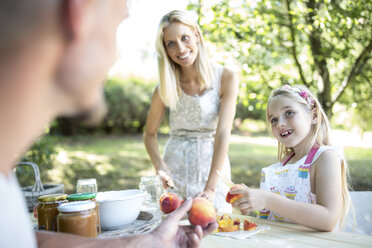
[325,45]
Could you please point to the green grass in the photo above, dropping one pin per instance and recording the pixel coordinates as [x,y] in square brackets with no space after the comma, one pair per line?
[118,162]
[359,161]
[247,160]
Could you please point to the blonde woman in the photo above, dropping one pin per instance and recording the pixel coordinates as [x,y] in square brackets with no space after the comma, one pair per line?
[201,99]
[309,184]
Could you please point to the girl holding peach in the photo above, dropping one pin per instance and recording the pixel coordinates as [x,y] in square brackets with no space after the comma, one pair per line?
[201,99]
[309,184]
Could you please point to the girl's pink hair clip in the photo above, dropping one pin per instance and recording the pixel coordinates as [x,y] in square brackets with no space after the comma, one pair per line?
[303,94]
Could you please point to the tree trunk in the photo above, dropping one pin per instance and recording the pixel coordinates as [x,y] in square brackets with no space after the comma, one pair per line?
[320,61]
[293,48]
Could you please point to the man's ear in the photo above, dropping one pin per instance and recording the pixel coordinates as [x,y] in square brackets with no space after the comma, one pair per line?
[74,17]
[314,116]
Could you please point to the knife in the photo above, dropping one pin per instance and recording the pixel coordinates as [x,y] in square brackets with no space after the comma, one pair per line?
[226,180]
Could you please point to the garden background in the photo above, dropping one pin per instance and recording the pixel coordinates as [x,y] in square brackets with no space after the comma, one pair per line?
[325,45]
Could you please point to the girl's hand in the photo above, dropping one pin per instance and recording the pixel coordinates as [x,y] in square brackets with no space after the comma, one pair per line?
[166,177]
[252,200]
[208,194]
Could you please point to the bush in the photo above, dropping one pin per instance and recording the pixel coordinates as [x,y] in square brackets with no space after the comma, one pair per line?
[128,102]
[42,153]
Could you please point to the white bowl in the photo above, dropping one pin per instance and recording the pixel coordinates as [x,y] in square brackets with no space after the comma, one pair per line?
[119,208]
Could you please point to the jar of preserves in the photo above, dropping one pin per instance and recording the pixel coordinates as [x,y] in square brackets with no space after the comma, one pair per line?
[87,197]
[79,218]
[47,210]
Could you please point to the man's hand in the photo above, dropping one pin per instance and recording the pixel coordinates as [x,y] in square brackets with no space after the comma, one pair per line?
[170,234]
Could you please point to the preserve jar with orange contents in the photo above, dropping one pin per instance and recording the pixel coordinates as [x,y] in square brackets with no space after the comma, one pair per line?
[86,197]
[47,211]
[78,218]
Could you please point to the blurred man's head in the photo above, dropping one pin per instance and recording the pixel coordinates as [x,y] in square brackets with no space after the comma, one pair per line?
[54,55]
[91,53]
[22,20]
[75,39]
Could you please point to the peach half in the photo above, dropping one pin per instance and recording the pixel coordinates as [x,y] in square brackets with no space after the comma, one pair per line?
[228,225]
[231,228]
[249,226]
[202,212]
[231,198]
[169,202]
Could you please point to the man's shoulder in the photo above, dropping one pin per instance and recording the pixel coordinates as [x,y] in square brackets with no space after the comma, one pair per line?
[14,219]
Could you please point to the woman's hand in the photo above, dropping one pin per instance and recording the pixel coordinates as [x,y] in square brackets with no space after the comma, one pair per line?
[252,199]
[208,194]
[166,177]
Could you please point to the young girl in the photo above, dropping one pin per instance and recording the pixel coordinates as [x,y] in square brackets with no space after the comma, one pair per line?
[201,99]
[308,186]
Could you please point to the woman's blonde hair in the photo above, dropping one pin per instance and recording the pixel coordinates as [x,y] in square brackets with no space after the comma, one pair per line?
[169,72]
[320,134]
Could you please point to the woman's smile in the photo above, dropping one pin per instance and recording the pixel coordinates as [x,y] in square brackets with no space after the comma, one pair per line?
[184,56]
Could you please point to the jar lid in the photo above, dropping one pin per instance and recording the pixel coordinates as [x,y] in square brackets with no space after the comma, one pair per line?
[52,197]
[81,196]
[76,206]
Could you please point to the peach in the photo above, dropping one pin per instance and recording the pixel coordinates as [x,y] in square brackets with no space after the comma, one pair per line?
[218,218]
[202,212]
[225,217]
[228,225]
[169,202]
[231,228]
[249,226]
[237,222]
[231,198]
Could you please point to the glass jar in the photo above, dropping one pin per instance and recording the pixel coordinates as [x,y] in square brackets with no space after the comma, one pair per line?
[154,188]
[47,210]
[87,197]
[86,185]
[79,218]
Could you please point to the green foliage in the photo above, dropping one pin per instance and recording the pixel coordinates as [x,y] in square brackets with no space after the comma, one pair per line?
[128,104]
[253,126]
[362,107]
[321,44]
[43,153]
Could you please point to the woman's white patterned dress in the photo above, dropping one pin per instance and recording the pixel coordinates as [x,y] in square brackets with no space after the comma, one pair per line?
[189,150]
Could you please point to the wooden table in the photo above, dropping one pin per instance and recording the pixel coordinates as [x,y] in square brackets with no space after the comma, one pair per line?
[280,235]
[288,235]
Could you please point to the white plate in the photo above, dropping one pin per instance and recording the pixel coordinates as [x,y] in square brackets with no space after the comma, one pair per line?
[241,234]
[145,222]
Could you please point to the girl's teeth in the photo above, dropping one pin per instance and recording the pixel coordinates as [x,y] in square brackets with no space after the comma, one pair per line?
[286,133]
